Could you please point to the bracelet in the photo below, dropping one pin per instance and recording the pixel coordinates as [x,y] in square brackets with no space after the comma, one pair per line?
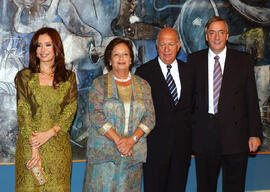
[134,137]
[55,132]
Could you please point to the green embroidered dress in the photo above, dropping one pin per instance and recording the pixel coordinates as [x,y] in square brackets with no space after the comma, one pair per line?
[39,108]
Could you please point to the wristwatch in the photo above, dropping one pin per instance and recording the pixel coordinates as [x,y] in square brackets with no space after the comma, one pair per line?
[134,137]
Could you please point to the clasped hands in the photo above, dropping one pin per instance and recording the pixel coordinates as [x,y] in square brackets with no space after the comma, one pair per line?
[39,138]
[36,140]
[125,145]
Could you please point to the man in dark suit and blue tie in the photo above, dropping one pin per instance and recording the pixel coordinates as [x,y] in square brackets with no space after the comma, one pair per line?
[169,145]
[226,112]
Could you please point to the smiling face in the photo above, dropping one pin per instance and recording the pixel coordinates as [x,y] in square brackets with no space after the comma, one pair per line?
[217,36]
[45,50]
[168,45]
[120,59]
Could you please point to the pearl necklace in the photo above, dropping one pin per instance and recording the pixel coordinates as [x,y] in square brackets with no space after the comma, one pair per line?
[122,80]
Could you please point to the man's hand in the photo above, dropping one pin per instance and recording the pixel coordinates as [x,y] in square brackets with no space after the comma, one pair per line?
[254,143]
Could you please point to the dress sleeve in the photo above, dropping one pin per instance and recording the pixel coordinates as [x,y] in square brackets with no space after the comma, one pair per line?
[148,121]
[24,112]
[69,109]
[98,119]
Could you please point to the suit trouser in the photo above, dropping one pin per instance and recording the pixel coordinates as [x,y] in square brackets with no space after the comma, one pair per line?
[170,177]
[208,165]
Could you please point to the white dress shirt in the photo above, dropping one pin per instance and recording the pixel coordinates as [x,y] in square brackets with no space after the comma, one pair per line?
[211,63]
[174,73]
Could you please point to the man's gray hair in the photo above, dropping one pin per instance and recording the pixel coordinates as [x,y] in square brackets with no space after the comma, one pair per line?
[215,19]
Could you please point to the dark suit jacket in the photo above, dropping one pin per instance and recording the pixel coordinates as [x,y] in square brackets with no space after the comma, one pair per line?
[238,109]
[173,123]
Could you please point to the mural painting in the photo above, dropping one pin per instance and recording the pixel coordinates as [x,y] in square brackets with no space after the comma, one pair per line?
[86,27]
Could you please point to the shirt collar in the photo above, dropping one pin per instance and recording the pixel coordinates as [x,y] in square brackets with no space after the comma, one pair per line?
[222,54]
[173,64]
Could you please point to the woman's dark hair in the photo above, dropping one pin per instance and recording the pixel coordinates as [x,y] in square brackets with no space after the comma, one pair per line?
[110,47]
[60,71]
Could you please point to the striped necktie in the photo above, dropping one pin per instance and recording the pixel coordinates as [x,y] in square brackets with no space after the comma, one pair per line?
[171,85]
[217,80]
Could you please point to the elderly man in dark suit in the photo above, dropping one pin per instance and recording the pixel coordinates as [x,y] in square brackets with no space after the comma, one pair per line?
[226,113]
[169,145]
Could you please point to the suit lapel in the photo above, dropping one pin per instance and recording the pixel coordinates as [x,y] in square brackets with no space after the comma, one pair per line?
[182,81]
[160,76]
[204,80]
[226,80]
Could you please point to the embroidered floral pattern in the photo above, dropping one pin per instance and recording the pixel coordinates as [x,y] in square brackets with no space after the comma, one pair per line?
[105,164]
[39,108]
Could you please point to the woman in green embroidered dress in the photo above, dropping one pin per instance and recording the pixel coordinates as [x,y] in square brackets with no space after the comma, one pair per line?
[121,116]
[46,105]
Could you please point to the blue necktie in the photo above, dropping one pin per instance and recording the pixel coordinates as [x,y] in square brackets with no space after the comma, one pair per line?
[171,85]
[217,80]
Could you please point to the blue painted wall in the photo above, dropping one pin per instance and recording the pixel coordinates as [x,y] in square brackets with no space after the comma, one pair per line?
[258,176]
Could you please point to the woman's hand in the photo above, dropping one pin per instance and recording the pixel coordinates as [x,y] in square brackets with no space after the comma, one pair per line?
[35,159]
[125,145]
[39,138]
